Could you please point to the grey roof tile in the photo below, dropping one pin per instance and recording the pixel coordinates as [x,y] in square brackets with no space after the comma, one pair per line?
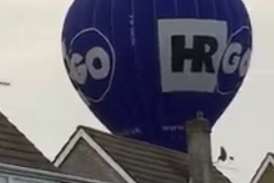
[147,163]
[16,149]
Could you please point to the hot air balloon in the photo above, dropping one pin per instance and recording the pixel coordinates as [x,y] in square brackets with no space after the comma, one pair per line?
[145,67]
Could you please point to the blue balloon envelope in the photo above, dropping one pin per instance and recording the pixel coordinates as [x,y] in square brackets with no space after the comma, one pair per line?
[145,67]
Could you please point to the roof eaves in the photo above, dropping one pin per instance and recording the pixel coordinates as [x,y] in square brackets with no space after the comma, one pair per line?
[70,145]
[44,174]
[57,160]
[108,158]
[269,159]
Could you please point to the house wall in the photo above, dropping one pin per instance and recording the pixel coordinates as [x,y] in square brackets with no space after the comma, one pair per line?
[85,161]
[268,175]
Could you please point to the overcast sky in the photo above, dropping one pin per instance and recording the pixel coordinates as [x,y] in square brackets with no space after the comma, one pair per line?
[44,106]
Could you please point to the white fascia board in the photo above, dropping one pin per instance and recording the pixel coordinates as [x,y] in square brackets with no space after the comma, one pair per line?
[66,151]
[267,161]
[43,174]
[101,152]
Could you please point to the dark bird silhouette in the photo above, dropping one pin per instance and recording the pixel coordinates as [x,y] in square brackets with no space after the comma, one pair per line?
[223,155]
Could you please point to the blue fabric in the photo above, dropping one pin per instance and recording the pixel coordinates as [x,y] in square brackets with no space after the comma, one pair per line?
[134,104]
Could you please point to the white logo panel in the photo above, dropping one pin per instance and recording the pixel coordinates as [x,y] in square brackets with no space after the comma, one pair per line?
[191,51]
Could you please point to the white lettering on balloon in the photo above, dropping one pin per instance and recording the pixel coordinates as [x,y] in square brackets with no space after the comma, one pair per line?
[79,67]
[232,58]
[99,54]
[96,64]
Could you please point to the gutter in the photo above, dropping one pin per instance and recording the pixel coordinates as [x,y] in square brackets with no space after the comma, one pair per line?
[44,174]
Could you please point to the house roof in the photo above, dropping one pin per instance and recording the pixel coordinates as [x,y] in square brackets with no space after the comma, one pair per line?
[16,149]
[143,162]
[41,175]
[268,160]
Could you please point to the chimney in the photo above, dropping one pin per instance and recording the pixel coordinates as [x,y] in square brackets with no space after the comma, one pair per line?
[199,150]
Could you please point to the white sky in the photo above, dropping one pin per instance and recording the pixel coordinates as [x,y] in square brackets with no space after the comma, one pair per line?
[43,104]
